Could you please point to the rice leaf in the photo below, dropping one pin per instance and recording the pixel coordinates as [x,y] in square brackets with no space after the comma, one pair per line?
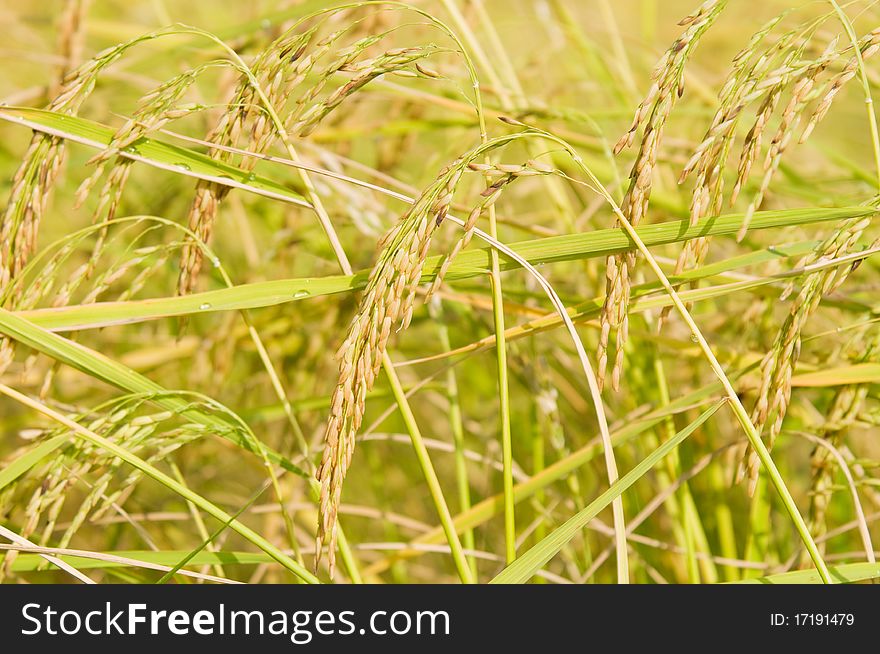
[525,566]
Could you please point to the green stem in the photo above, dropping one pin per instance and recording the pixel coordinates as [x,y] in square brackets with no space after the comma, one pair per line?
[457,426]
[200,525]
[421,451]
[695,535]
[504,401]
[497,308]
[757,544]
[738,409]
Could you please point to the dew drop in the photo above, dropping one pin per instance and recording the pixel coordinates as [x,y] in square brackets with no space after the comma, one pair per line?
[694,338]
[301,294]
[183,166]
[204,306]
[252,177]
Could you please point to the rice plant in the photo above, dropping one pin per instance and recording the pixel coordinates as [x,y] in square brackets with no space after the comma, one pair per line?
[444,291]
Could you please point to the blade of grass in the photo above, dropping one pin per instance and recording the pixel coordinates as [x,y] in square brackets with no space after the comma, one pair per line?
[174,158]
[101,367]
[844,574]
[857,373]
[212,537]
[535,558]
[456,424]
[642,300]
[165,558]
[63,565]
[30,458]
[468,264]
[161,560]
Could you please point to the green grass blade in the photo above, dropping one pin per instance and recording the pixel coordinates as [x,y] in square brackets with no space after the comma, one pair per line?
[843,574]
[534,559]
[155,153]
[168,576]
[30,458]
[858,373]
[471,263]
[105,369]
[26,562]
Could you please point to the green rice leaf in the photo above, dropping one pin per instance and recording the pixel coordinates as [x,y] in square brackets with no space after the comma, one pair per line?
[150,151]
[471,263]
[525,566]
[29,459]
[105,369]
[844,574]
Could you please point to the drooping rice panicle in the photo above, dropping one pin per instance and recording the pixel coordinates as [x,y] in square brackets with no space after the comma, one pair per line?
[388,302]
[280,70]
[844,411]
[70,43]
[762,75]
[667,86]
[777,366]
[34,181]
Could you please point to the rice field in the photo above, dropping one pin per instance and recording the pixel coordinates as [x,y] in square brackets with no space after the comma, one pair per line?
[449,291]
